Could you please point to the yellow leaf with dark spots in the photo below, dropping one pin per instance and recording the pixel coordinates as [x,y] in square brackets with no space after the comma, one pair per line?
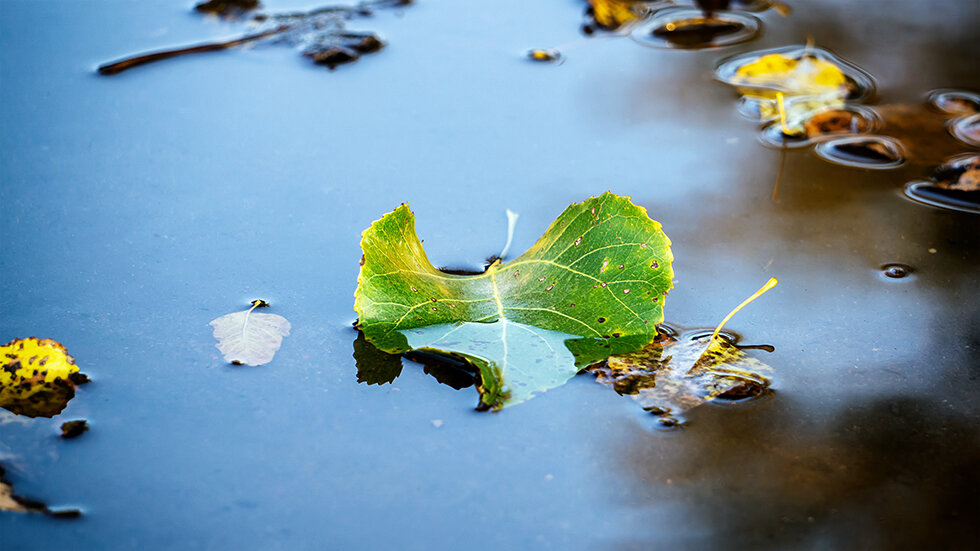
[37,377]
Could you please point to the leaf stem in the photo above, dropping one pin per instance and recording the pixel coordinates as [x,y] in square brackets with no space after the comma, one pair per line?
[511,222]
[769,285]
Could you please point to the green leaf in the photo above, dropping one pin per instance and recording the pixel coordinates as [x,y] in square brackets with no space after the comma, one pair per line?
[600,271]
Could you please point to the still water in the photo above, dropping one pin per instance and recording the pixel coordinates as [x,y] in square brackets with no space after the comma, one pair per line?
[137,208]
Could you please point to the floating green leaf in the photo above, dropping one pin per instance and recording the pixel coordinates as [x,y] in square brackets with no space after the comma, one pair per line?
[600,271]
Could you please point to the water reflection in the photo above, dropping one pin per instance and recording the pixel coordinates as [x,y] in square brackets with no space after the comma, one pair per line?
[688,28]
[872,152]
[894,472]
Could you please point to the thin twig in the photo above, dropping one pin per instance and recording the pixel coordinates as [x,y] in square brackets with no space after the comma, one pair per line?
[142,59]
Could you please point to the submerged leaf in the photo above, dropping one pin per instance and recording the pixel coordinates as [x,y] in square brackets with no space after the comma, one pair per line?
[662,380]
[37,377]
[250,338]
[601,271]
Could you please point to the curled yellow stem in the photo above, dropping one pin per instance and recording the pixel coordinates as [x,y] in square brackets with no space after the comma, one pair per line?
[769,285]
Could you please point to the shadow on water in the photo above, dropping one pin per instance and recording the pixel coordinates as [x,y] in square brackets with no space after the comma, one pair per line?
[891,473]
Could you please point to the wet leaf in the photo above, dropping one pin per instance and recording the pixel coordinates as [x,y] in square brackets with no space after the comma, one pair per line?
[661,378]
[793,83]
[250,338]
[9,501]
[792,76]
[601,271]
[613,15]
[37,377]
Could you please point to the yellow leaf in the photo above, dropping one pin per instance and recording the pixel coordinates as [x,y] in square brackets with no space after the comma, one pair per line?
[37,377]
[613,14]
[805,76]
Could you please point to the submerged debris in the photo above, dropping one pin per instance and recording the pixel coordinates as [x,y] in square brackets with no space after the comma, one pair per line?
[10,501]
[321,33]
[227,8]
[676,373]
[74,429]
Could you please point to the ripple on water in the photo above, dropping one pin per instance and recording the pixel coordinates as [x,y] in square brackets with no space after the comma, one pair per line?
[873,152]
[954,102]
[822,125]
[954,185]
[691,29]
[966,129]
[895,270]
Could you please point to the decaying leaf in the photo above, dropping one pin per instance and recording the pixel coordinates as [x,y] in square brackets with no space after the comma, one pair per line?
[37,377]
[662,380]
[807,75]
[672,375]
[612,15]
[10,501]
[601,271]
[250,338]
[792,84]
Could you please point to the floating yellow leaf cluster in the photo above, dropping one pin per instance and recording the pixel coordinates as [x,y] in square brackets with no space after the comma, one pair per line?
[37,377]
[792,89]
[612,15]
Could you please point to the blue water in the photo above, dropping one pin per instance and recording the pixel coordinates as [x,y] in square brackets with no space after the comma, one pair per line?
[137,208]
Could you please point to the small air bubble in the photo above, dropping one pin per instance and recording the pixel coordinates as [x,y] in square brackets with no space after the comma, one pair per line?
[896,270]
[643,245]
